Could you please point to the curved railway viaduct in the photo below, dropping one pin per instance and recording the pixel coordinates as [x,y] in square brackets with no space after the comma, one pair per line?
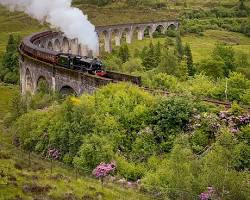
[33,69]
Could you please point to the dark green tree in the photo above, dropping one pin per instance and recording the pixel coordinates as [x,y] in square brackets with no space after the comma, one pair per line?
[241,5]
[179,46]
[227,55]
[9,69]
[190,64]
[148,56]
[157,53]
[123,53]
[169,62]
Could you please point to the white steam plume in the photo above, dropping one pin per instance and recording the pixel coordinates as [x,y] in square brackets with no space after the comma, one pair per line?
[60,14]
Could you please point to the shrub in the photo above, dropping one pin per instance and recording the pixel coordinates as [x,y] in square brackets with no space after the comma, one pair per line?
[129,170]
[237,86]
[94,150]
[164,81]
[174,176]
[172,114]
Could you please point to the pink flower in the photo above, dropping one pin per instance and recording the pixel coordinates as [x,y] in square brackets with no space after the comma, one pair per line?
[103,169]
[53,153]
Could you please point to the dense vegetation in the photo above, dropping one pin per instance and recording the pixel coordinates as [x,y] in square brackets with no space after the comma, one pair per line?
[24,177]
[175,147]
[172,144]
[223,75]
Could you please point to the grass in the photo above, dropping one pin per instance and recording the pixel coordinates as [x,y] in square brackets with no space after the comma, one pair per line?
[16,23]
[35,181]
[18,177]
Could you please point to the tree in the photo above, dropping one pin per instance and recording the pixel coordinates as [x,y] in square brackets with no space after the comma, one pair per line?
[182,72]
[245,27]
[190,65]
[157,53]
[169,62]
[172,114]
[133,65]
[124,53]
[227,55]
[10,63]
[179,46]
[212,67]
[149,60]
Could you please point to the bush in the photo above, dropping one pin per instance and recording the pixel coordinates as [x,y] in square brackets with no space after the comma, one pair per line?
[129,170]
[164,81]
[94,150]
[238,86]
[174,176]
[172,114]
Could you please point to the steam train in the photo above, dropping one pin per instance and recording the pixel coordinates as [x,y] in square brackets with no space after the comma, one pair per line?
[85,64]
[91,66]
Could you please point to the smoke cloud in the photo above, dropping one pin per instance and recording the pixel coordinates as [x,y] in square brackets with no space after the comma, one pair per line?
[61,15]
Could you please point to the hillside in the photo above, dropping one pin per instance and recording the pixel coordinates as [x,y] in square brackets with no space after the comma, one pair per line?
[19,180]
[182,145]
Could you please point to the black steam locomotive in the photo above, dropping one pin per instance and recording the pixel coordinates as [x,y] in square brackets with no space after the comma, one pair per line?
[85,64]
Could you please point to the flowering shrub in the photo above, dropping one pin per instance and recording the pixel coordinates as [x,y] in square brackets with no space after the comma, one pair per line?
[103,170]
[234,122]
[208,195]
[53,154]
[207,121]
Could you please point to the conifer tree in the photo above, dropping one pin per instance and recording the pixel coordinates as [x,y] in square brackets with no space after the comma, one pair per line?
[183,69]
[189,59]
[179,46]
[157,54]
[149,60]
[123,53]
[9,68]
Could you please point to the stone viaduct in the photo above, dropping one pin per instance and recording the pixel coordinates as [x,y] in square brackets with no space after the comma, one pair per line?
[116,32]
[33,69]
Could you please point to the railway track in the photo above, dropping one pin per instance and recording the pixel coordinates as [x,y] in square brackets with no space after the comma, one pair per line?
[226,105]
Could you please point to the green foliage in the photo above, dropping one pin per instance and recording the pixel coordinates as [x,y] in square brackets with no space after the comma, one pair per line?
[213,67]
[190,65]
[132,65]
[164,81]
[129,170]
[236,109]
[245,27]
[182,71]
[174,177]
[95,149]
[217,169]
[112,62]
[227,55]
[10,63]
[123,53]
[169,119]
[179,46]
[150,56]
[238,86]
[168,63]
